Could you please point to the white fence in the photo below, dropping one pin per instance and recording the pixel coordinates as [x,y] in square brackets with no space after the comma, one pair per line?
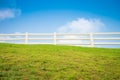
[89,39]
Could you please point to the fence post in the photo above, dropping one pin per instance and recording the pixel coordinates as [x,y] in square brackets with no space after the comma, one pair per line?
[26,38]
[55,38]
[91,40]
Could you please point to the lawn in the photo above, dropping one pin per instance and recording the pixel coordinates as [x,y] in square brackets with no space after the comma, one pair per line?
[55,62]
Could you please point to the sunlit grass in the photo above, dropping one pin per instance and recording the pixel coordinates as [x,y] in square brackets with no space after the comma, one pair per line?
[50,62]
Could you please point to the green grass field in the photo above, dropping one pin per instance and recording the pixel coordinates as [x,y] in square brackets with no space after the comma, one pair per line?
[50,62]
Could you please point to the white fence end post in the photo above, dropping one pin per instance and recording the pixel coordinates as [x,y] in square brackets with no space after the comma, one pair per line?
[55,41]
[91,40]
[26,38]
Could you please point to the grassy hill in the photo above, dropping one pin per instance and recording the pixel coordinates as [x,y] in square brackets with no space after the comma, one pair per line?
[50,62]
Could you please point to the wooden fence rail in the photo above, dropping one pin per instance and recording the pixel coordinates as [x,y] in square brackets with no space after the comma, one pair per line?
[91,39]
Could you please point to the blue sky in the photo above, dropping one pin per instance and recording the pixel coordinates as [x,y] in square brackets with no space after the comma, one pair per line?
[47,16]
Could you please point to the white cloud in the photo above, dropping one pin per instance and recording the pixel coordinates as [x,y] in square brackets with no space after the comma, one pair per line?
[82,25]
[9,13]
